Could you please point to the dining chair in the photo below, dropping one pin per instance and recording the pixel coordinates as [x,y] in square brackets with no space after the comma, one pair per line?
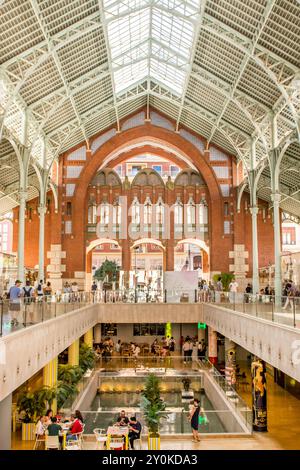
[101,437]
[51,442]
[116,443]
[39,441]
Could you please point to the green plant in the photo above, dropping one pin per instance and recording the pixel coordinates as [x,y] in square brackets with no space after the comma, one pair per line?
[108,270]
[226,279]
[46,395]
[86,357]
[69,374]
[152,405]
[65,391]
[31,404]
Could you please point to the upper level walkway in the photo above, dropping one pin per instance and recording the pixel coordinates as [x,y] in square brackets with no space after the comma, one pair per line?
[256,326]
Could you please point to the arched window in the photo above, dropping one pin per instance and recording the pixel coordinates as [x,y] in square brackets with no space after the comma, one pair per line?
[104,213]
[203,212]
[135,212]
[92,214]
[117,213]
[191,212]
[159,212]
[178,213]
[147,211]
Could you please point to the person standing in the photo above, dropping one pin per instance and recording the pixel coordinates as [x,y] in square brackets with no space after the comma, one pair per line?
[186,349]
[28,299]
[194,419]
[15,302]
[233,288]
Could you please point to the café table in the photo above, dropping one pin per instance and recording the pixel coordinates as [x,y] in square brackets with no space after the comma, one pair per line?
[117,431]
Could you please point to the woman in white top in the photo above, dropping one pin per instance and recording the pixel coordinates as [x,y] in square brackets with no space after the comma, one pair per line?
[40,426]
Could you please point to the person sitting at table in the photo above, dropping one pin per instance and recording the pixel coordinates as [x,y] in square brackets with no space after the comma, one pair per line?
[136,351]
[53,428]
[40,427]
[48,416]
[135,429]
[76,426]
[122,419]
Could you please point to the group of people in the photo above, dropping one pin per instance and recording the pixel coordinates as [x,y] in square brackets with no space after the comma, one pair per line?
[52,426]
[189,344]
[134,427]
[28,293]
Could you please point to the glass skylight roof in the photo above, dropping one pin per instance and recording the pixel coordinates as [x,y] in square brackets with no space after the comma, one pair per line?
[151,39]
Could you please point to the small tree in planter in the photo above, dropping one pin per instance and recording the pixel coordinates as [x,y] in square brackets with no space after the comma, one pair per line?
[153,410]
[108,272]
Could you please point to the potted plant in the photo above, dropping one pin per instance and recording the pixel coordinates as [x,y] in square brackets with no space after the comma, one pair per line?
[153,410]
[29,403]
[108,273]
[86,358]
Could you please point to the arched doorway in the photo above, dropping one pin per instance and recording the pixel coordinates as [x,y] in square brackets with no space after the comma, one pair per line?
[147,265]
[192,255]
[97,252]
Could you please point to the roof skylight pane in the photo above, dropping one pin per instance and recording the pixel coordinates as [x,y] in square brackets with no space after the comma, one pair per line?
[161,50]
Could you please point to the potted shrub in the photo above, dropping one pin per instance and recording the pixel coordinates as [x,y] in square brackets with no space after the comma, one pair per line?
[30,404]
[186,384]
[153,410]
[86,358]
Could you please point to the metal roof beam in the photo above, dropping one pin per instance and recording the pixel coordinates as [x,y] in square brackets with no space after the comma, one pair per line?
[280,71]
[245,61]
[199,18]
[104,26]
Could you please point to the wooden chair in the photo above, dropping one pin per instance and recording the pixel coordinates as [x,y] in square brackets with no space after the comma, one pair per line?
[51,442]
[39,441]
[101,437]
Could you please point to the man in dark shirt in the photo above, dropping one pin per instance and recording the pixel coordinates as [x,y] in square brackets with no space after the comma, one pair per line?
[135,429]
[122,419]
[54,428]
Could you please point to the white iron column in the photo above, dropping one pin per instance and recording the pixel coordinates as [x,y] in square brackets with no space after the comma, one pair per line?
[255,275]
[277,246]
[21,238]
[42,211]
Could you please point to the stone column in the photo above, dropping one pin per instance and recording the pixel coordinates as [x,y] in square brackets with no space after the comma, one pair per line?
[50,378]
[239,266]
[212,346]
[277,247]
[73,353]
[230,362]
[169,255]
[255,274]
[56,268]
[259,395]
[42,209]
[97,333]
[88,338]
[126,261]
[21,237]
[6,422]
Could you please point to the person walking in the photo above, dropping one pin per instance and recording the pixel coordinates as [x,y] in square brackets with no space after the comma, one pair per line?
[186,349]
[14,307]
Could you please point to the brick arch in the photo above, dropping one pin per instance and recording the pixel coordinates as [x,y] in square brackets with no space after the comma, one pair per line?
[170,140]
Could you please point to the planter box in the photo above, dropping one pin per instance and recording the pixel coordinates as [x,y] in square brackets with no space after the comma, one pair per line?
[154,442]
[28,431]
